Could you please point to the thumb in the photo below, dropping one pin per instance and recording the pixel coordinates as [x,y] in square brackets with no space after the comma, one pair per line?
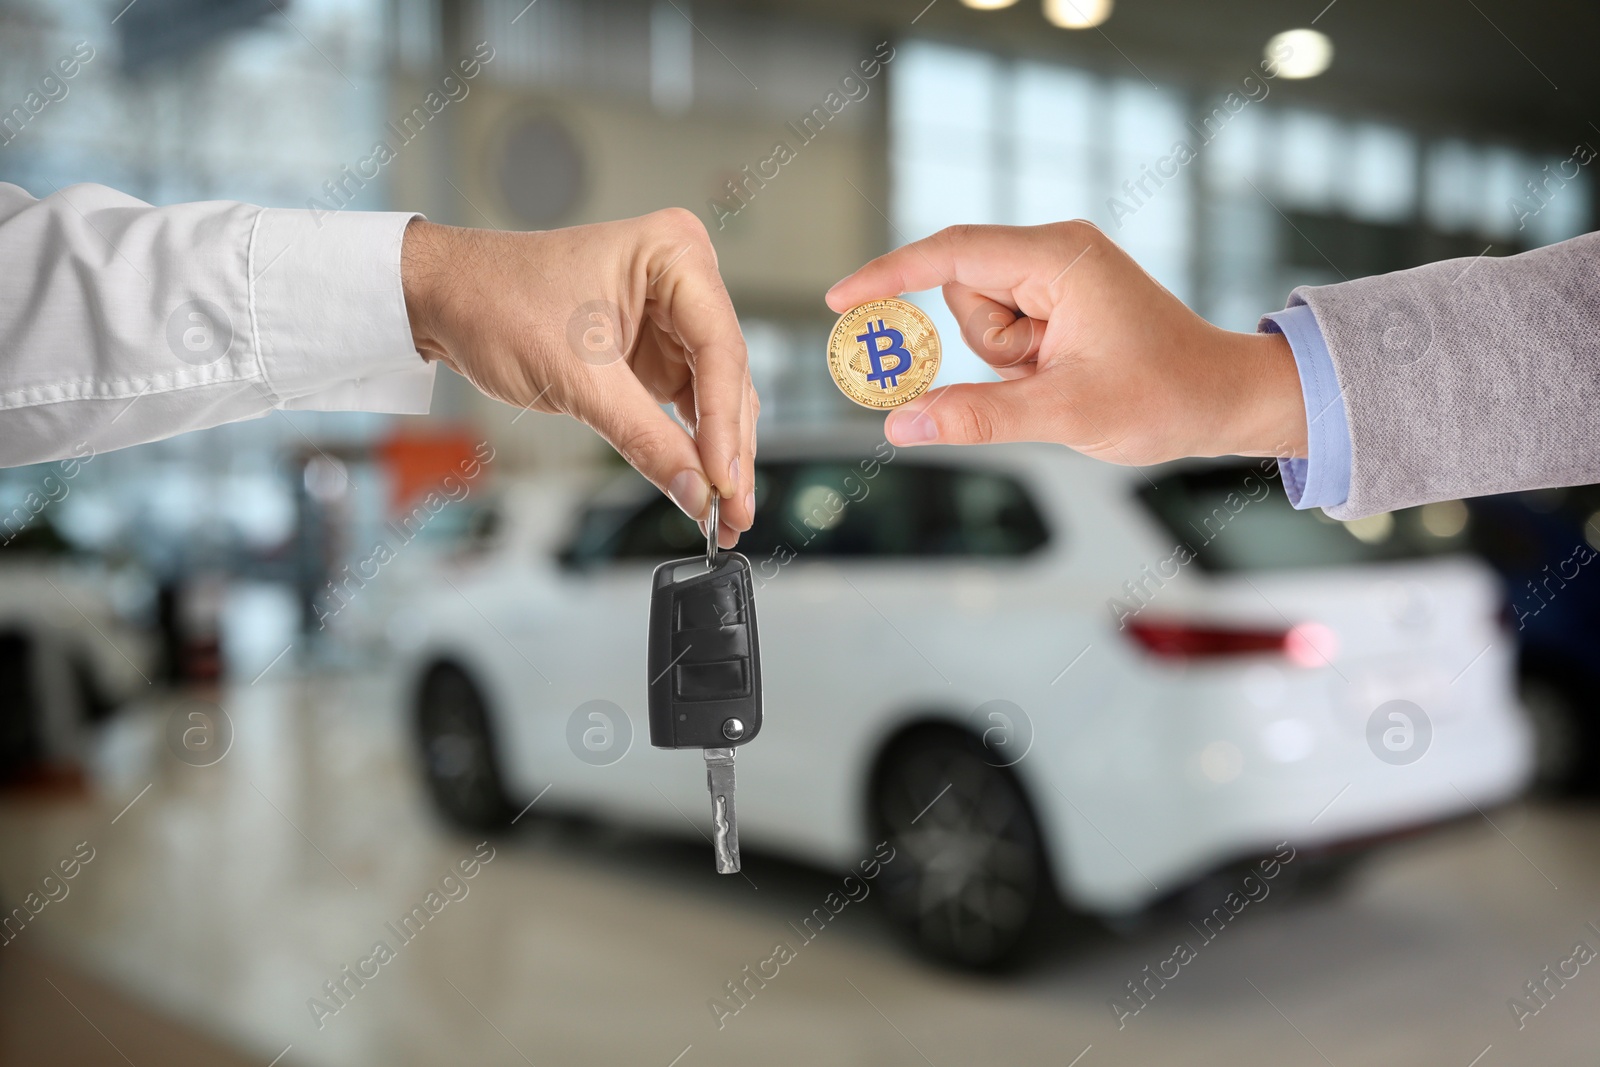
[647,437]
[969,414]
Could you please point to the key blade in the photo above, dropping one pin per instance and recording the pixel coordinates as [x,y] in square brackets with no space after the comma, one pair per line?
[724,817]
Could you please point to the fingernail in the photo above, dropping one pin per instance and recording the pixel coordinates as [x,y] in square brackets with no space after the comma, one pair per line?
[690,492]
[750,503]
[733,475]
[915,429]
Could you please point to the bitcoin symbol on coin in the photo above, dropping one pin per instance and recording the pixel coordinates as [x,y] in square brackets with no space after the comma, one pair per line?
[881,376]
[894,355]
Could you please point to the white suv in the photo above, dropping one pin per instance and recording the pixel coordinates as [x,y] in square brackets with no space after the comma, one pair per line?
[1042,678]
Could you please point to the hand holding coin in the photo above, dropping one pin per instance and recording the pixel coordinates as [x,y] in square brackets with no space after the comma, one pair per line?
[1093,352]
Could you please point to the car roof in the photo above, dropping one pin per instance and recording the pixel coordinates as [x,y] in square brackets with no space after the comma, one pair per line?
[852,442]
[860,441]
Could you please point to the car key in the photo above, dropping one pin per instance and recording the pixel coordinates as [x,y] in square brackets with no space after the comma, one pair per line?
[705,671]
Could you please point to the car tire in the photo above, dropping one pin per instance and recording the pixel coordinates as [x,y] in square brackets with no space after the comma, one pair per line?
[457,750]
[969,883]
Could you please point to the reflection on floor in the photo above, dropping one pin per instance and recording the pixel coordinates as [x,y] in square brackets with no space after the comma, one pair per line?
[52,1015]
[247,899]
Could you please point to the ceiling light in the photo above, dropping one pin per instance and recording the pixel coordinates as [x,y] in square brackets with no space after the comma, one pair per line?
[1372,530]
[988,5]
[1444,518]
[1300,53]
[1077,14]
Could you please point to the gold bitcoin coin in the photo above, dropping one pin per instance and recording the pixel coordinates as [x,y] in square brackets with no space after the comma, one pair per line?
[883,353]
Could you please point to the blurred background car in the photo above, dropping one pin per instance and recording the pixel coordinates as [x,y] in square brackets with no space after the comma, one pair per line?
[211,669]
[945,671]
[1544,545]
[74,645]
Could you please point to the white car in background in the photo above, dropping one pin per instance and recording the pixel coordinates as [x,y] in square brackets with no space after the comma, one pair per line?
[1041,677]
[69,653]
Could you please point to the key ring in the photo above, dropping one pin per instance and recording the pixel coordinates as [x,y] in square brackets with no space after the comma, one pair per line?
[711,530]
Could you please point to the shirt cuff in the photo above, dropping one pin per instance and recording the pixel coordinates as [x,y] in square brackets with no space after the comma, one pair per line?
[1322,479]
[329,313]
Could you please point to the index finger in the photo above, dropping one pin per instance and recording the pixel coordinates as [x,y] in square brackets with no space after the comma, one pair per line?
[985,258]
[700,313]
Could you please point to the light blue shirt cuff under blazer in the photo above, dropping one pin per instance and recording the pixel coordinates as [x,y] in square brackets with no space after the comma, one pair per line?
[1322,479]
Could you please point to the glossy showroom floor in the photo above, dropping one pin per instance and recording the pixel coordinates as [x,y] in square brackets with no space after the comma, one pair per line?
[225,897]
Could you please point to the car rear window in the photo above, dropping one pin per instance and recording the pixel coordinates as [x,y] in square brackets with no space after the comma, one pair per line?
[844,508]
[1236,517]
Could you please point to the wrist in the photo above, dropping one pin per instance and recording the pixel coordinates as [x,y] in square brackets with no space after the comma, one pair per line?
[1266,412]
[423,265]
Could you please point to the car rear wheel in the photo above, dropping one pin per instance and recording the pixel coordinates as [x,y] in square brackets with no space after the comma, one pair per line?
[968,882]
[458,751]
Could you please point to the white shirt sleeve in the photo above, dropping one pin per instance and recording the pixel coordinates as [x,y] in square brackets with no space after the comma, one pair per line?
[122,323]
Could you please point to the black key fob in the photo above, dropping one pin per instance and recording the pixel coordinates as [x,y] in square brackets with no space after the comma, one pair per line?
[704,655]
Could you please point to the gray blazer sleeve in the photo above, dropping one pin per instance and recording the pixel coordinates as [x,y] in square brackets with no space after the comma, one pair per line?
[1467,376]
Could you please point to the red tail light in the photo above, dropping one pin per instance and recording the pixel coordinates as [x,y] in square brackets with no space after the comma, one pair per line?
[1178,640]
[1307,645]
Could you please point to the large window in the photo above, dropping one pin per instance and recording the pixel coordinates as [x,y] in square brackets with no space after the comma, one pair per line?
[1261,198]
[974,138]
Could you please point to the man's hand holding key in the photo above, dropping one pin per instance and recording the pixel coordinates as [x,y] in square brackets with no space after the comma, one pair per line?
[605,323]
[705,671]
